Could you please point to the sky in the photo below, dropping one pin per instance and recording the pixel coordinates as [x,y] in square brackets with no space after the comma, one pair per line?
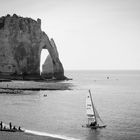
[89,34]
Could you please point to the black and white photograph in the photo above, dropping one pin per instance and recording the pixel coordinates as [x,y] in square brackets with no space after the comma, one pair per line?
[69,70]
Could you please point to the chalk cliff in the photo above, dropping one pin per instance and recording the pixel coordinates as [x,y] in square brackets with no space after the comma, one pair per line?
[21,43]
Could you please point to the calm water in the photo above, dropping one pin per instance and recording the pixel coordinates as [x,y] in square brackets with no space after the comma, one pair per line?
[117,100]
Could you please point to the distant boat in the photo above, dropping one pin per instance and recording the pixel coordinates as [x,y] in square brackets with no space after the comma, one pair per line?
[45,95]
[92,114]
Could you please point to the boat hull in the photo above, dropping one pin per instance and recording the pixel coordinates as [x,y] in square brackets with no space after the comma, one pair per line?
[95,127]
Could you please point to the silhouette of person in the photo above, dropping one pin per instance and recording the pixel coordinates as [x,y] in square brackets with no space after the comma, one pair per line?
[93,123]
[1,125]
[10,125]
[14,128]
[19,128]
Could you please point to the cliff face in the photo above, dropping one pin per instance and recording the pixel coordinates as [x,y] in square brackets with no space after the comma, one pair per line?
[21,42]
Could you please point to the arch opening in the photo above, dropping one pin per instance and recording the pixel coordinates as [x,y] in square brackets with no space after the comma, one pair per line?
[44,54]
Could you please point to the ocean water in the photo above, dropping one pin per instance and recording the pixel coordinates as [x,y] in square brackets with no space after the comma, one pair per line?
[62,113]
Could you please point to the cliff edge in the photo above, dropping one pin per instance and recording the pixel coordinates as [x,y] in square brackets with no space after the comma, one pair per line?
[21,43]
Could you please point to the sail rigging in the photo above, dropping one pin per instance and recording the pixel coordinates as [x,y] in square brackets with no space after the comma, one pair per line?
[98,116]
[90,108]
[92,114]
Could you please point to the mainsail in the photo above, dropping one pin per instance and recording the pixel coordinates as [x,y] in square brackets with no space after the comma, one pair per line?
[90,108]
[92,114]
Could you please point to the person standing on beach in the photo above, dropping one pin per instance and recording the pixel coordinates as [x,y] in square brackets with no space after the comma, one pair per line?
[10,125]
[19,128]
[1,125]
[14,128]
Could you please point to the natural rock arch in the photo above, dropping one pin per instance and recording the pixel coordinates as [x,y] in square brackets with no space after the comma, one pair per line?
[21,42]
[58,71]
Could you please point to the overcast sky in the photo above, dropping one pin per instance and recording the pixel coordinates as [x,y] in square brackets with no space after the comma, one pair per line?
[89,34]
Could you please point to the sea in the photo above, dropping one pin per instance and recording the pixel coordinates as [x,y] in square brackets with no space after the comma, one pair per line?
[62,113]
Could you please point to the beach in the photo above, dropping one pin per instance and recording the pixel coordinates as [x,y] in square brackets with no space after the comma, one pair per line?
[23,136]
[19,86]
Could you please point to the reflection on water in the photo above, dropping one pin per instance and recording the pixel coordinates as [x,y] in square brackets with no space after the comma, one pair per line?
[63,112]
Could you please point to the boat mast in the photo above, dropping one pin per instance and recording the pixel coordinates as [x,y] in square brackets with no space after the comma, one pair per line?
[92,105]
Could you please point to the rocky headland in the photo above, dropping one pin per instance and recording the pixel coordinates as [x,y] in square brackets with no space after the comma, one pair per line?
[21,43]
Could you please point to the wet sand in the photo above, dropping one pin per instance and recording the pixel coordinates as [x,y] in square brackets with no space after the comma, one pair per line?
[9,87]
[23,136]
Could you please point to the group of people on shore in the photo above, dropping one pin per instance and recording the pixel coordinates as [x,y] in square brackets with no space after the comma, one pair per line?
[3,127]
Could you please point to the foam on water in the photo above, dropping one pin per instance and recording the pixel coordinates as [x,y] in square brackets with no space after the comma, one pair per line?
[49,135]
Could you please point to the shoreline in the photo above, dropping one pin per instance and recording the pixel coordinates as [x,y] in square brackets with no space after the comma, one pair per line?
[33,135]
[18,87]
[24,136]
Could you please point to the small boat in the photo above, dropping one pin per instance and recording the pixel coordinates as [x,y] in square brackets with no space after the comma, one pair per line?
[92,114]
[45,95]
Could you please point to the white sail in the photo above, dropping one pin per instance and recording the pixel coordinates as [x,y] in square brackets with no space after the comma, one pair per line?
[92,114]
[89,108]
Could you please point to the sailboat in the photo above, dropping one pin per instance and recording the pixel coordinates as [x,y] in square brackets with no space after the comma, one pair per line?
[92,114]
